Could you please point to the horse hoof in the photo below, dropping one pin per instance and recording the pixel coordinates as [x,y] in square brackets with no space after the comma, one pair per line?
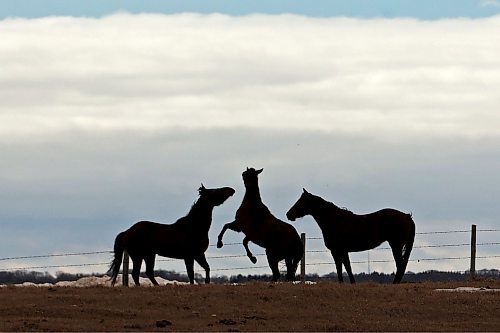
[254,260]
[219,244]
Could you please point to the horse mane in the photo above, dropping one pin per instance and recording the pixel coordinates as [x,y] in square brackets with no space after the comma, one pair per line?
[194,214]
[346,210]
[335,207]
[342,209]
[192,208]
[195,204]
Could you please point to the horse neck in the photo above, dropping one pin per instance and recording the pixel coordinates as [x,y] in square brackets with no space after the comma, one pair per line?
[252,192]
[201,212]
[322,211]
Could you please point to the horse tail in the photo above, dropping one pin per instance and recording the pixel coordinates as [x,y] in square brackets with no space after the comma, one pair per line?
[410,238]
[114,268]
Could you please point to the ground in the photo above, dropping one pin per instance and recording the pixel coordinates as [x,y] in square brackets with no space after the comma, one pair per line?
[325,306]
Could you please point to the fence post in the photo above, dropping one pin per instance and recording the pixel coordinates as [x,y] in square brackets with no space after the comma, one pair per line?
[303,260]
[125,269]
[473,252]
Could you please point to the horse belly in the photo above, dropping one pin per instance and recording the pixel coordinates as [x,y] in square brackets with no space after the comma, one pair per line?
[372,231]
[181,249]
[365,246]
[171,252]
[353,242]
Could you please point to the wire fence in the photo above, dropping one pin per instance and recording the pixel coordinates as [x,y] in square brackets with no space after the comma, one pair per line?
[314,256]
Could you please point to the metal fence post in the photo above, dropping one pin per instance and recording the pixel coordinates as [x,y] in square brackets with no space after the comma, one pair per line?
[473,252]
[303,260]
[125,269]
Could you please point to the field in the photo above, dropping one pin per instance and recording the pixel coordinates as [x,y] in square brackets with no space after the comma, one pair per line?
[324,306]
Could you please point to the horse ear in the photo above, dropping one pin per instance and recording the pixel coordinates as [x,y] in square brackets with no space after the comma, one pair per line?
[202,186]
[248,169]
[201,189]
[259,171]
[305,191]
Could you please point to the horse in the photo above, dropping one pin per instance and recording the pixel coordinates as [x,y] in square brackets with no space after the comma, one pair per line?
[344,232]
[186,239]
[254,219]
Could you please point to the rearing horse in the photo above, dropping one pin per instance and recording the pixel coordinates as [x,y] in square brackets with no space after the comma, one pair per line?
[186,239]
[344,231]
[254,219]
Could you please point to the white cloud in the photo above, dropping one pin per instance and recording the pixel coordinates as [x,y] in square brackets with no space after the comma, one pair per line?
[490,3]
[156,72]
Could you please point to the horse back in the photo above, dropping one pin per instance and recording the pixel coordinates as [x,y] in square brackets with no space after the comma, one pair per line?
[363,232]
[142,233]
[168,240]
[391,220]
[143,229]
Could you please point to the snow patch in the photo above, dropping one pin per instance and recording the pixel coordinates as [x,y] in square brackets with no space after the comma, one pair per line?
[305,282]
[102,281]
[470,289]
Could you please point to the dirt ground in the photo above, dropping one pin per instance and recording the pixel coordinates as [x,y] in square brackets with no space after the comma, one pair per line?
[325,306]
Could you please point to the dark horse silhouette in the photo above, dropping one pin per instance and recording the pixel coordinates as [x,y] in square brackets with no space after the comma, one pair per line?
[186,239]
[344,231]
[254,219]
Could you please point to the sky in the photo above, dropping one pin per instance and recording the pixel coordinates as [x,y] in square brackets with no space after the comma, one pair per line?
[114,112]
[423,9]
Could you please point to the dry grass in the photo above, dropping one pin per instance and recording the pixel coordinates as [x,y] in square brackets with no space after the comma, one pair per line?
[254,307]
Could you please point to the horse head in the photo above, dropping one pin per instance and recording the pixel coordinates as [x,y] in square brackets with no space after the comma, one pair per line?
[216,196]
[300,208]
[250,175]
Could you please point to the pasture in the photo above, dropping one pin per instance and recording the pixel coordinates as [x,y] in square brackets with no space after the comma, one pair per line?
[325,306]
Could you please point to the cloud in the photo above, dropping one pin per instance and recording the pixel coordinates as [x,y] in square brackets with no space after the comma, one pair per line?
[152,72]
[107,121]
[490,3]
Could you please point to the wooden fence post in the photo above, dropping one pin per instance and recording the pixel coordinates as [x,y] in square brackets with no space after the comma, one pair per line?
[303,260]
[473,252]
[125,269]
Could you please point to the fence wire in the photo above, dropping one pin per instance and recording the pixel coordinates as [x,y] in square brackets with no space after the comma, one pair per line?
[261,254]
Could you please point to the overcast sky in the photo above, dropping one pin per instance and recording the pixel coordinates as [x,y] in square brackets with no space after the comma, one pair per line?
[110,115]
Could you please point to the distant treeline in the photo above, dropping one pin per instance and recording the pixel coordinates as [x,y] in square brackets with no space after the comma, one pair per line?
[18,277]
[376,277]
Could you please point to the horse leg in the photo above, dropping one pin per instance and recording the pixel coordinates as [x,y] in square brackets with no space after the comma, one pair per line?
[150,268]
[347,265]
[273,264]
[249,254]
[202,261]
[295,260]
[136,271]
[338,263]
[401,252]
[397,252]
[190,269]
[290,269]
[232,226]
